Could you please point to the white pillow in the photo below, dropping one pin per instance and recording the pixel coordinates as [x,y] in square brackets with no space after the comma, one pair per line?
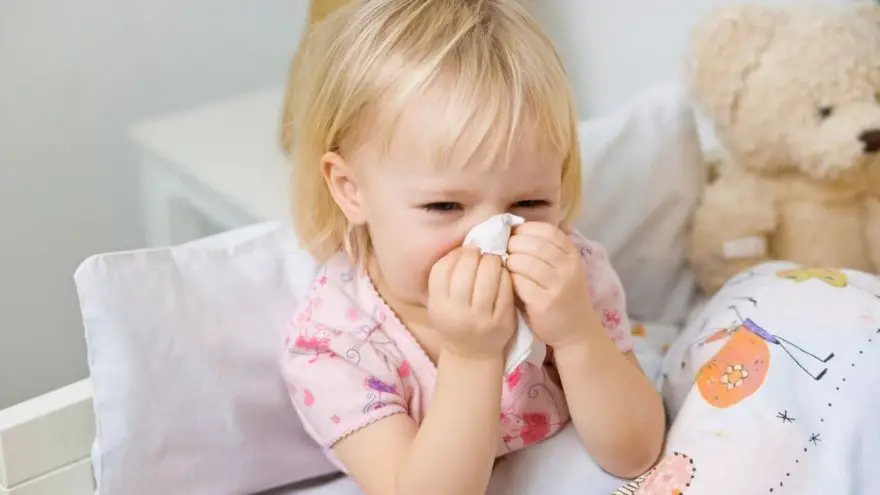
[183,347]
[643,173]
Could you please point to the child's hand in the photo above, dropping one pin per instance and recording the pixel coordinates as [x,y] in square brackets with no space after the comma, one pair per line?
[550,279]
[470,302]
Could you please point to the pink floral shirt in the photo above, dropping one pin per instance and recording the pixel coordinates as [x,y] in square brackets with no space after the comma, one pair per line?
[350,361]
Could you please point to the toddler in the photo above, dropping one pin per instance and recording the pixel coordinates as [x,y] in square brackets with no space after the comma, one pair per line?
[422,119]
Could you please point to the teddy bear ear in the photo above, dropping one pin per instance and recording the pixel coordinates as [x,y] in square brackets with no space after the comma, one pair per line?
[726,46]
[868,10]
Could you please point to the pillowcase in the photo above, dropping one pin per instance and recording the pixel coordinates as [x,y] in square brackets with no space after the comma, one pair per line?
[643,174]
[183,349]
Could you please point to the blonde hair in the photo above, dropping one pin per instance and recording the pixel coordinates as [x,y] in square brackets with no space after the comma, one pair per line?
[498,67]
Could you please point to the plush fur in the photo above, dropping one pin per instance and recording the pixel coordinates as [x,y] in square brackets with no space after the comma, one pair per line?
[794,95]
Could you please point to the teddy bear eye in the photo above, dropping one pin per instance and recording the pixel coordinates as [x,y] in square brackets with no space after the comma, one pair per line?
[825,112]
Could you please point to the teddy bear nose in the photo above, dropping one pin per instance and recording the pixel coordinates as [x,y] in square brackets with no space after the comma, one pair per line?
[871,140]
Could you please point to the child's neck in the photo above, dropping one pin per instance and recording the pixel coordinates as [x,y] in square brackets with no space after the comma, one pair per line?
[412,314]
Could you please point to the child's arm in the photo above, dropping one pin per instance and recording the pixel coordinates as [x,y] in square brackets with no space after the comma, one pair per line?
[451,453]
[615,409]
[575,303]
[355,395]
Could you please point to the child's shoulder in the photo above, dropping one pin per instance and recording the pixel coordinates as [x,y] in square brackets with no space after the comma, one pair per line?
[606,290]
[340,314]
[590,250]
[340,298]
[341,369]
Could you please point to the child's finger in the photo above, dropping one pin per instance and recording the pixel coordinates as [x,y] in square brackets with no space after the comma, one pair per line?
[538,247]
[441,274]
[461,285]
[504,297]
[525,288]
[531,268]
[546,231]
[487,281]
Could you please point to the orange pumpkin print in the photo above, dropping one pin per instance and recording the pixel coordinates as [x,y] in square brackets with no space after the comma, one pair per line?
[739,368]
[736,371]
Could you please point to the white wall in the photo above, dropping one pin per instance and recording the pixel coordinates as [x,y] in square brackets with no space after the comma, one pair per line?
[615,49]
[73,76]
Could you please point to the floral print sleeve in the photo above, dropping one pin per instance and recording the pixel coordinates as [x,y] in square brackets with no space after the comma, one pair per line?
[609,299]
[341,380]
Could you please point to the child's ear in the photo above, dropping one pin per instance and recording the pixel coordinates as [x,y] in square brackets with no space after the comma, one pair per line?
[343,186]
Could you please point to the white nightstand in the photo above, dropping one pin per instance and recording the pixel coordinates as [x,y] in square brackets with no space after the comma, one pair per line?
[212,168]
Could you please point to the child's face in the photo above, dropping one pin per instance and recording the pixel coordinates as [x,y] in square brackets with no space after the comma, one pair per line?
[418,211]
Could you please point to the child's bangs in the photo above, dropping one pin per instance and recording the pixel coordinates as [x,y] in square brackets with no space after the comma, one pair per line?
[491,116]
[487,95]
[482,117]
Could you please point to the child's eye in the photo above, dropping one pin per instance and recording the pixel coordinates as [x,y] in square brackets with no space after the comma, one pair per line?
[442,207]
[532,203]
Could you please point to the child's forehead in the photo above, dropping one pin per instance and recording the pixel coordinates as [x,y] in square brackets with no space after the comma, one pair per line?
[418,160]
[437,130]
[472,183]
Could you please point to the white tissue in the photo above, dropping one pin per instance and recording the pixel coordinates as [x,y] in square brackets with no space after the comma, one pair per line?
[491,237]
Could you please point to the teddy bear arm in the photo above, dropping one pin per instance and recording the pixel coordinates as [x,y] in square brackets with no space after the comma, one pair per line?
[730,231]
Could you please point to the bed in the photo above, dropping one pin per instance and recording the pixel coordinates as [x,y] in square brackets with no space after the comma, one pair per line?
[769,393]
[806,424]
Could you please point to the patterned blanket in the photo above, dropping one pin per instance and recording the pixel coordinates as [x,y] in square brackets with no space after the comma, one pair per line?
[774,388]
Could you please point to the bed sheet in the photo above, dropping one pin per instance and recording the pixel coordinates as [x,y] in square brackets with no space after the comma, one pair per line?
[559,465]
[333,485]
[342,486]
[774,388]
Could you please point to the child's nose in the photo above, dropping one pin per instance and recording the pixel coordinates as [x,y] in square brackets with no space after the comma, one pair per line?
[488,212]
[492,230]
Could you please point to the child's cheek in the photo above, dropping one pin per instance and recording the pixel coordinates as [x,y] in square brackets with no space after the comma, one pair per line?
[441,240]
[441,247]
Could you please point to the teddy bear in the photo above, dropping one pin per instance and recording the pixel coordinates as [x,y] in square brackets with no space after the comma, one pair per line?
[793,96]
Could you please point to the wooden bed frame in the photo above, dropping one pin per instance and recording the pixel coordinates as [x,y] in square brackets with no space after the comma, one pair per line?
[45,444]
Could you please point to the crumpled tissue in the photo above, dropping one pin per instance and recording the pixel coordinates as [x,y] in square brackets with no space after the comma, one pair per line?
[491,237]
